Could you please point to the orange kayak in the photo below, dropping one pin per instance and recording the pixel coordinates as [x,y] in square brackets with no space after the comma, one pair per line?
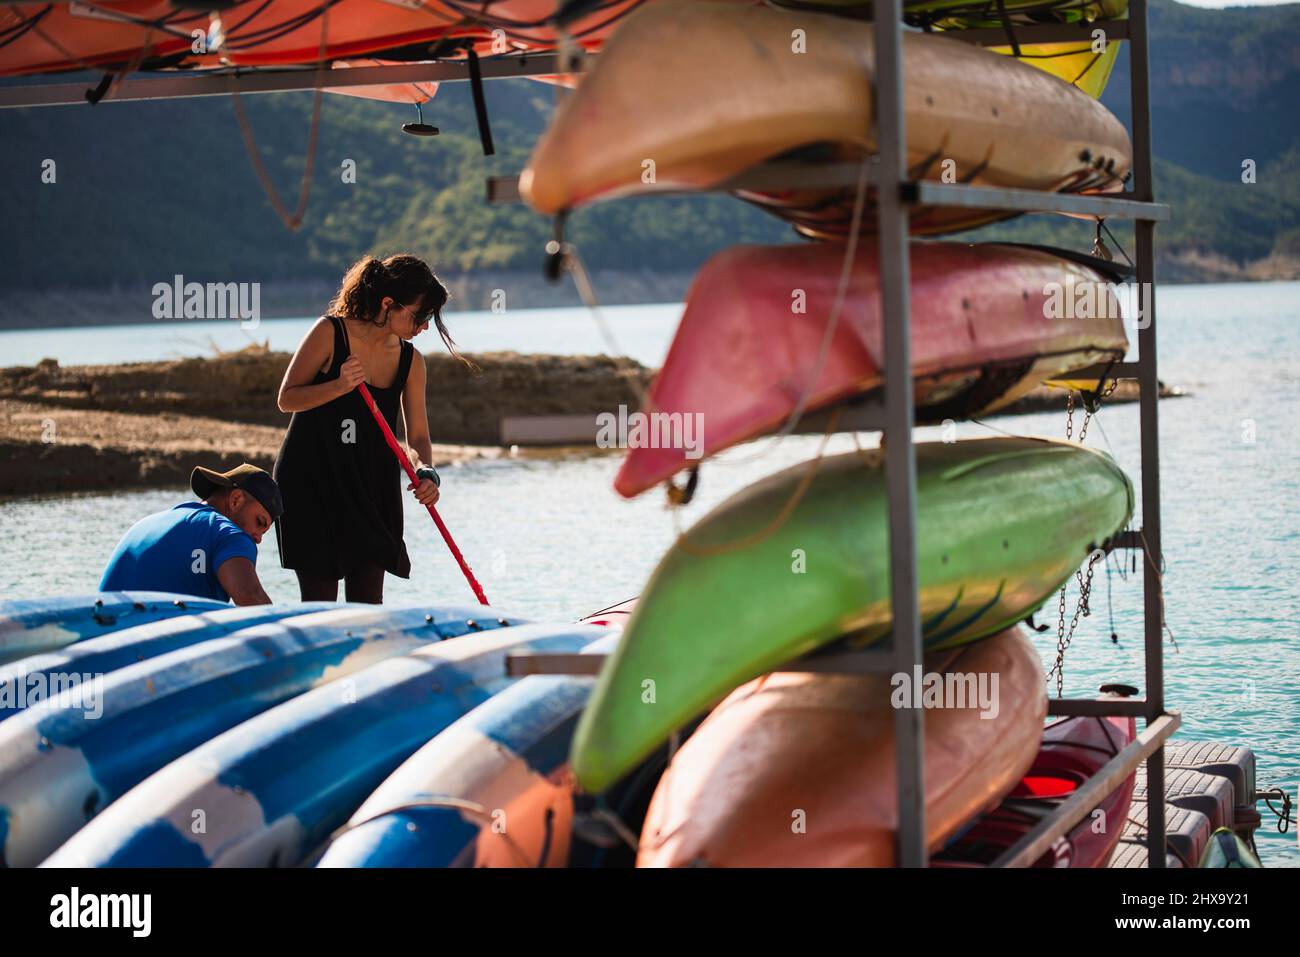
[985,330]
[797,770]
[47,37]
[688,95]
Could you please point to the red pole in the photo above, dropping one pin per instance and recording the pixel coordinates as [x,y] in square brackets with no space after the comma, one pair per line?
[410,473]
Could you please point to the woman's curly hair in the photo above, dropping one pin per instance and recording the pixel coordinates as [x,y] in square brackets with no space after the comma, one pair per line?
[407,279]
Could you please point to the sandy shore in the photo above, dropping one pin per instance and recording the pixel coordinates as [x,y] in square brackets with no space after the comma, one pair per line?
[84,428]
[46,448]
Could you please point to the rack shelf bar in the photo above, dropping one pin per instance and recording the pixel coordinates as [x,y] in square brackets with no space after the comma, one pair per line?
[1041,33]
[1096,707]
[1118,370]
[783,174]
[520,664]
[926,193]
[181,85]
[868,661]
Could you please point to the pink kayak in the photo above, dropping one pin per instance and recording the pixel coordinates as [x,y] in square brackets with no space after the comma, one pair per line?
[989,322]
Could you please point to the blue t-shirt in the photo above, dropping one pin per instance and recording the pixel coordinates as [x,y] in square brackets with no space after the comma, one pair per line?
[178,551]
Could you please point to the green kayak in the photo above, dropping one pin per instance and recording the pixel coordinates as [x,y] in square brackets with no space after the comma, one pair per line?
[1001,524]
[1227,850]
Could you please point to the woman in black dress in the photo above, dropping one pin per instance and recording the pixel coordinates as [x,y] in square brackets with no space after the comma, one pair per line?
[340,482]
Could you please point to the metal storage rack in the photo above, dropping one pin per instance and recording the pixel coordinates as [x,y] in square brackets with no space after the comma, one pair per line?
[896,195]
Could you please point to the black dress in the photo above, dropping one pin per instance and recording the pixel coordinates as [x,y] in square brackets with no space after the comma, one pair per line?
[340,482]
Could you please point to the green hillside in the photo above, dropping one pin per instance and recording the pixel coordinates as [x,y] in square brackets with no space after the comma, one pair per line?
[148,190]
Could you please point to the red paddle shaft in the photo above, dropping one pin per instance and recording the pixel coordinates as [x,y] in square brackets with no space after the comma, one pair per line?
[410,473]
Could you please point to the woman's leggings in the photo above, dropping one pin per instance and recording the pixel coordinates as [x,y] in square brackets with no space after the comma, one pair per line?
[362,583]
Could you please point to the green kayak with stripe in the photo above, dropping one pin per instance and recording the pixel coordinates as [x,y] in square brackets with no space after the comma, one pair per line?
[800,559]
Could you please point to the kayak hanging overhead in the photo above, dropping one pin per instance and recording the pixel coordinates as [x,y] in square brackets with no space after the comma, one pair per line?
[637,122]
[965,14]
[147,34]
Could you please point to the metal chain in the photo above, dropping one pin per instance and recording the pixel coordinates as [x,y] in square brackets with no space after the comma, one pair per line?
[1087,413]
[1083,576]
[1063,638]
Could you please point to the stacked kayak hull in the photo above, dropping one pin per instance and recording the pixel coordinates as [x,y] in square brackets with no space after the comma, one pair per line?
[492,790]
[801,559]
[1072,751]
[751,346]
[798,770]
[1227,850]
[638,122]
[30,627]
[276,786]
[1078,63]
[952,14]
[61,763]
[32,679]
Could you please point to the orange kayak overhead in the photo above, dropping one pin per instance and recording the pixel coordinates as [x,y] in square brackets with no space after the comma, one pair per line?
[797,769]
[986,328]
[51,37]
[689,95]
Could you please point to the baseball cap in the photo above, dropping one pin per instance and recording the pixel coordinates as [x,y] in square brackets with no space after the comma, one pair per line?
[256,482]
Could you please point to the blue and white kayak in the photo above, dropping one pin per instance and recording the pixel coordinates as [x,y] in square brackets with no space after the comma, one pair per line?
[28,680]
[32,626]
[493,790]
[271,791]
[63,762]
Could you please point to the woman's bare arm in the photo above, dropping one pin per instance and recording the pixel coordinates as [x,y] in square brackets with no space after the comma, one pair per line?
[297,394]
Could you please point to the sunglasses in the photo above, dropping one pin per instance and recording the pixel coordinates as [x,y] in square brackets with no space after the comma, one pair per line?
[420,319]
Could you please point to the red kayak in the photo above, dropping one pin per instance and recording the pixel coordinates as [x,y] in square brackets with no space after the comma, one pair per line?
[48,37]
[1074,749]
[984,332]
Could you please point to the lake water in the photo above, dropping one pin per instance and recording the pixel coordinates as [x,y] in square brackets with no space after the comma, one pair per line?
[550,539]
[643,333]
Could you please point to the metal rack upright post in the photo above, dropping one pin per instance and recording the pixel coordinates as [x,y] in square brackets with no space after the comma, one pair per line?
[895,191]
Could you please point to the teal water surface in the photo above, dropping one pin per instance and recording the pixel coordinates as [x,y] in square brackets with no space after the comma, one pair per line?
[550,539]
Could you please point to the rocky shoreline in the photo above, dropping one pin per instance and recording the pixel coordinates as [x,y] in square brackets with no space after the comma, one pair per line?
[89,428]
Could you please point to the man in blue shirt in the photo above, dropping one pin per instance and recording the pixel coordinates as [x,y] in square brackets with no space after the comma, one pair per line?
[206,548]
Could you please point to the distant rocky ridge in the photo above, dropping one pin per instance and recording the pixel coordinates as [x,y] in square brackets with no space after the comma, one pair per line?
[131,208]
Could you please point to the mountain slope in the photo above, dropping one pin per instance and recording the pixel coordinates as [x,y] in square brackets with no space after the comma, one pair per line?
[145,191]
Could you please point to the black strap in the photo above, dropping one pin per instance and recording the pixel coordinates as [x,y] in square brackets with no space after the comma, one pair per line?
[1006,25]
[96,93]
[1118,272]
[480,104]
[403,366]
[342,346]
